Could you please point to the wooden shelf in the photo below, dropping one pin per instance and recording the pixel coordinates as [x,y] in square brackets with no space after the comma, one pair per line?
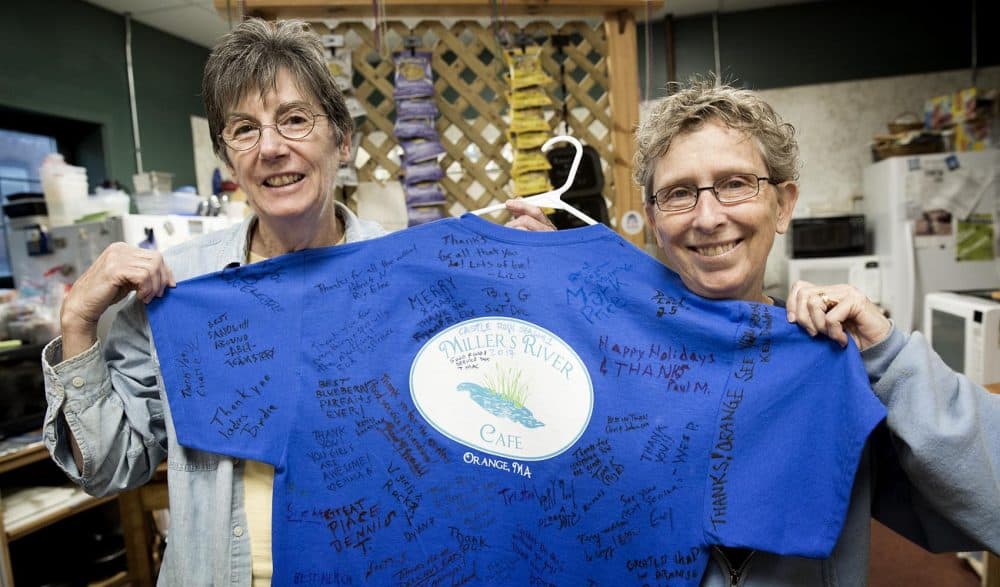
[77,502]
[31,453]
[112,581]
[360,9]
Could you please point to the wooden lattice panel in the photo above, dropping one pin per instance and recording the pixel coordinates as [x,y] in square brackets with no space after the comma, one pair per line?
[471,87]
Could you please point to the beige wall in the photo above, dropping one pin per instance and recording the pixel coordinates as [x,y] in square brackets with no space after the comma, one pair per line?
[835,124]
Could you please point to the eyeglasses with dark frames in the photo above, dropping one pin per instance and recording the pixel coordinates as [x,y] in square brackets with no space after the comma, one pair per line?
[732,189]
[243,134]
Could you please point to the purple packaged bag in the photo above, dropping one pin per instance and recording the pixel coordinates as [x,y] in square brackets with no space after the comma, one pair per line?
[416,108]
[413,75]
[428,171]
[425,194]
[419,150]
[423,215]
[415,128]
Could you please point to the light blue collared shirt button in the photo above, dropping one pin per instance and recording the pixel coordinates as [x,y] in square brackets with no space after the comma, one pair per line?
[78,382]
[238,531]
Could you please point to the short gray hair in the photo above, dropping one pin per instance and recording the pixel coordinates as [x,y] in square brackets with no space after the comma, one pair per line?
[248,59]
[688,108]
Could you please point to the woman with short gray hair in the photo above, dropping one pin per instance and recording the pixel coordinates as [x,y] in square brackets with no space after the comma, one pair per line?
[280,124]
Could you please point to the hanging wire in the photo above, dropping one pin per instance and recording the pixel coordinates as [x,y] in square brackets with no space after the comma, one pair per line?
[131,92]
[715,43]
[385,24]
[558,42]
[715,48]
[975,57]
[376,33]
[505,20]
[379,27]
[240,12]
[649,54]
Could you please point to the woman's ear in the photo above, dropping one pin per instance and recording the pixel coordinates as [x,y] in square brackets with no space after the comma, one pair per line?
[650,210]
[788,195]
[345,148]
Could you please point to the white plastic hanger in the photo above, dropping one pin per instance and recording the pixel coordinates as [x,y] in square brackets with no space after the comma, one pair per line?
[552,199]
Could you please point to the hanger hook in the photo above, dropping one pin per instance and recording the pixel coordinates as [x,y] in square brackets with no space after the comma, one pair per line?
[576,160]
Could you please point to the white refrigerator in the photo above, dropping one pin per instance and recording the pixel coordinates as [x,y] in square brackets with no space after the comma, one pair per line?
[933,222]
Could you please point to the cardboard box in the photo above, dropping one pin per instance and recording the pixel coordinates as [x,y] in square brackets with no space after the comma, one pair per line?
[976,134]
[959,107]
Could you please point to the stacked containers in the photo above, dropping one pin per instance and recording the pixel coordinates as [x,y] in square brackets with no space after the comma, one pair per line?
[417,134]
[529,128]
[65,190]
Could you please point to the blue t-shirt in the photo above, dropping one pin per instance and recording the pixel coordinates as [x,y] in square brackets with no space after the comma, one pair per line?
[463,402]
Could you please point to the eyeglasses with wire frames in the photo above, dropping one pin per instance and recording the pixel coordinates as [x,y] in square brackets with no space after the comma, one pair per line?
[243,134]
[731,189]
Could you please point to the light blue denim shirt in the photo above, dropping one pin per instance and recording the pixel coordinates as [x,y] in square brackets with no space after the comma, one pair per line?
[112,399]
[945,429]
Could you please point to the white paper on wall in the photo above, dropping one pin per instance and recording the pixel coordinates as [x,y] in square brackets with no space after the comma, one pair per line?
[382,202]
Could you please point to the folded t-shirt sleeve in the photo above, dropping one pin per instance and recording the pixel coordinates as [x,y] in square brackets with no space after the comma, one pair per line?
[227,343]
[793,421]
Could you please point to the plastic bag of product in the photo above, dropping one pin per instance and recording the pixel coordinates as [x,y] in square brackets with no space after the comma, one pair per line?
[533,97]
[413,77]
[415,128]
[427,171]
[418,150]
[525,67]
[425,194]
[423,215]
[527,161]
[354,107]
[341,69]
[528,120]
[528,140]
[533,182]
[416,108]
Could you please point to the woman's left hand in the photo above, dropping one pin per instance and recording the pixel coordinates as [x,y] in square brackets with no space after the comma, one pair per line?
[528,217]
[836,311]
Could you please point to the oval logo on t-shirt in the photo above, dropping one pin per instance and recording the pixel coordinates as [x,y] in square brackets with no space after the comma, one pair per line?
[503,386]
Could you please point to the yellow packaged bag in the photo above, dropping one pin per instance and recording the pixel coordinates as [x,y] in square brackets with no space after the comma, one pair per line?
[525,66]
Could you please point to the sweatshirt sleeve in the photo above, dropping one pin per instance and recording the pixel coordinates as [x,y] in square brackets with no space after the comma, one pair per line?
[937,463]
[108,399]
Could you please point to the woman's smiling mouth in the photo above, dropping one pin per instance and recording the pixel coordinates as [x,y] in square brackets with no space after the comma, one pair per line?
[716,250]
[278,181]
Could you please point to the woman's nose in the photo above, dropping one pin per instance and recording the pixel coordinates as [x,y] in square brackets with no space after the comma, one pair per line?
[272,144]
[709,212]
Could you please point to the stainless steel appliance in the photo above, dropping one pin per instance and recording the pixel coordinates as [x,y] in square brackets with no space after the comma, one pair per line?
[827,236]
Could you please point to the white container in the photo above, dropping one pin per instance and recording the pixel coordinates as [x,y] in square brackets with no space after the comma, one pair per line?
[112,202]
[65,190]
[167,203]
[153,181]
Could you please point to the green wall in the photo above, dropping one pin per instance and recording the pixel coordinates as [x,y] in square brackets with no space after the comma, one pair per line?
[828,41]
[66,58]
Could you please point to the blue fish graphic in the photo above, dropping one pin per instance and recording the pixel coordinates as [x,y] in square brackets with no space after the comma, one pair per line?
[498,406]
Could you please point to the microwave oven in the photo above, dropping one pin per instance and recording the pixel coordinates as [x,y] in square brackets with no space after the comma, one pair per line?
[861,271]
[827,236]
[964,330]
